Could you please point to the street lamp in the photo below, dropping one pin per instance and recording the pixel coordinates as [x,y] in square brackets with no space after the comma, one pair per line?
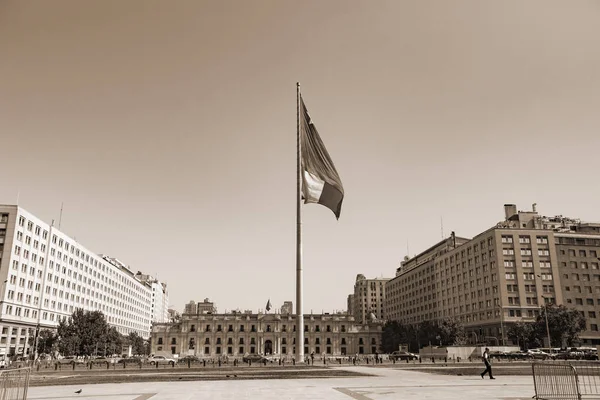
[547,327]
[501,323]
[546,315]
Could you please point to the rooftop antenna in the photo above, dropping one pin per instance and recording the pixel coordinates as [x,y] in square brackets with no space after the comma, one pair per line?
[442,225]
[60,218]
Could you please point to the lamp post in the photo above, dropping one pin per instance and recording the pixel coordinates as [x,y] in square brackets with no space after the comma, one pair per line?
[546,315]
[547,327]
[502,324]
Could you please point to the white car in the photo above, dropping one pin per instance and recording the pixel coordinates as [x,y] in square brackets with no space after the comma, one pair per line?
[161,360]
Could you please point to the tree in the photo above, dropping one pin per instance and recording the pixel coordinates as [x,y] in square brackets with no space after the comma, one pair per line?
[137,343]
[524,333]
[448,331]
[392,336]
[451,332]
[46,340]
[564,324]
[87,333]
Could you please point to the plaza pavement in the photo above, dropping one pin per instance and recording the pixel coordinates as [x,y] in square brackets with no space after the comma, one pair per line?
[388,383]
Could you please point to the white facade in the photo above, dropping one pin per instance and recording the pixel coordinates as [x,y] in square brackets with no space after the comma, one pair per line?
[160,302]
[46,275]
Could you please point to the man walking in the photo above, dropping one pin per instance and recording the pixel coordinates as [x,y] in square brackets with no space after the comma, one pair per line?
[486,361]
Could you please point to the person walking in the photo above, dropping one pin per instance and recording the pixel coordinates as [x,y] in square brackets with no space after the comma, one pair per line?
[488,366]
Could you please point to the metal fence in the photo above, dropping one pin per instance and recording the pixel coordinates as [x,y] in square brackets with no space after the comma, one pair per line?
[566,380]
[14,383]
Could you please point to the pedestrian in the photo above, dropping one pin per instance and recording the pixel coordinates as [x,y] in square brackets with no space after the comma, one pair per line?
[488,366]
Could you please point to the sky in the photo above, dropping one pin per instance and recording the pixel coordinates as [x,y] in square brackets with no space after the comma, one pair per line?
[168,130]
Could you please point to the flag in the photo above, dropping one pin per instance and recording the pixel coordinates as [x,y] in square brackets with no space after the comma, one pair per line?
[268,307]
[320,181]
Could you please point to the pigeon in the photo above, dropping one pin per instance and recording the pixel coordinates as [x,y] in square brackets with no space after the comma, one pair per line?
[79,391]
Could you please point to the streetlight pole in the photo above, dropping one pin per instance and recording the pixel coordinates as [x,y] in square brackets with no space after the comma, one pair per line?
[546,315]
[547,327]
[502,324]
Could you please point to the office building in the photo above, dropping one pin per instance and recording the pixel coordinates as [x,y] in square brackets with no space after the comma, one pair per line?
[46,275]
[501,276]
[369,297]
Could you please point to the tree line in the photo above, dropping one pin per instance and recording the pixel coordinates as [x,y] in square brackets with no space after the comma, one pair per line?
[564,325]
[87,333]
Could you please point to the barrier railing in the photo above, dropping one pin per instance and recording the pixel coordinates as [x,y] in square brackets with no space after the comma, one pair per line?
[588,378]
[554,381]
[14,383]
[576,380]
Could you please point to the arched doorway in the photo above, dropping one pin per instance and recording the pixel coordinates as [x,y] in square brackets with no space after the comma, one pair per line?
[268,347]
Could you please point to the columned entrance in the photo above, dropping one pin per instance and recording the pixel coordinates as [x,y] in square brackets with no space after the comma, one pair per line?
[268,347]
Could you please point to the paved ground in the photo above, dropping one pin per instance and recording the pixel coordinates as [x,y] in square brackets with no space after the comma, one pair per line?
[389,383]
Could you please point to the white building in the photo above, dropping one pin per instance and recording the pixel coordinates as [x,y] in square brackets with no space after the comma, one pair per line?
[46,275]
[160,298]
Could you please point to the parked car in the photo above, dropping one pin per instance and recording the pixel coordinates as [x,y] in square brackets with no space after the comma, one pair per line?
[403,355]
[519,355]
[71,360]
[255,358]
[499,355]
[131,360]
[192,359]
[539,355]
[161,360]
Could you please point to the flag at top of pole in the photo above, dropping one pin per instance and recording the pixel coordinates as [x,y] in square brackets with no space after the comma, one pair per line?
[321,182]
[268,307]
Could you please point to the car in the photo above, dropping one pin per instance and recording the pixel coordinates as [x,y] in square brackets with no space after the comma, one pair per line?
[70,360]
[255,358]
[403,355]
[539,355]
[158,360]
[130,360]
[192,359]
[100,360]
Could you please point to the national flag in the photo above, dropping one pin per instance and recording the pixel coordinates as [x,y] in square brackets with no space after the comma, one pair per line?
[320,181]
[268,307]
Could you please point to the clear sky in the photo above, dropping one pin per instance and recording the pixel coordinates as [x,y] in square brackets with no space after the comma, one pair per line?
[168,129]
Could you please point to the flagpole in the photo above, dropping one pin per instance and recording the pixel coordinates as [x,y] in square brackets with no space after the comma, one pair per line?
[299,311]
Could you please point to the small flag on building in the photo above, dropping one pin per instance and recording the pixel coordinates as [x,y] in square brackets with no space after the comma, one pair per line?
[320,180]
[268,307]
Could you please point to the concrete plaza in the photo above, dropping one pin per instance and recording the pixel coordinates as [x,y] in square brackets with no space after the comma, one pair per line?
[388,383]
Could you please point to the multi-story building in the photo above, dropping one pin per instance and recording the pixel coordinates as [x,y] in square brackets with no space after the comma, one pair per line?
[46,275]
[205,307]
[501,276]
[350,305]
[578,248]
[160,297]
[287,308]
[236,334]
[369,297]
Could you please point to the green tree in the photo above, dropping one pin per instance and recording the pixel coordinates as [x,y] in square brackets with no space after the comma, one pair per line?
[564,324]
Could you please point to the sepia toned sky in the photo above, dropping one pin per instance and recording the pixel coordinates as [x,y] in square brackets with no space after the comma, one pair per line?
[168,129]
